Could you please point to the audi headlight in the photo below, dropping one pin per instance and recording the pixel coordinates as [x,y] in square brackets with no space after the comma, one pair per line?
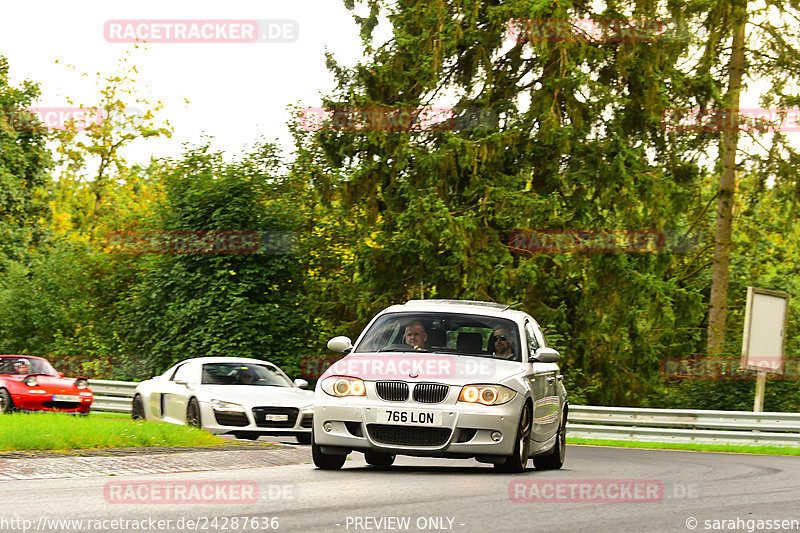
[344,386]
[30,381]
[486,394]
[219,405]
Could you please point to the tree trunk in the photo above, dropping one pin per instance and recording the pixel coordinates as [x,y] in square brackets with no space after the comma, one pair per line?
[718,305]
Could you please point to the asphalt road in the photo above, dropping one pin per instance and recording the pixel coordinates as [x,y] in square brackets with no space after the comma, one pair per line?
[663,489]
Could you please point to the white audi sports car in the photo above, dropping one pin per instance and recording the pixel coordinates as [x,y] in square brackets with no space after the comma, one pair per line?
[243,397]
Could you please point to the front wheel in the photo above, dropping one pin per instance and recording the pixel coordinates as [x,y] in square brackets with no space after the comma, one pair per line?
[137,408]
[193,414]
[323,461]
[555,459]
[516,462]
[6,403]
[383,460]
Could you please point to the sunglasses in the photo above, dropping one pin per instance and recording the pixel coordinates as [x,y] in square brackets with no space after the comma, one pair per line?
[499,337]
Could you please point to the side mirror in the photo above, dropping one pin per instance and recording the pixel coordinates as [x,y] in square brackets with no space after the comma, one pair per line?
[546,355]
[61,374]
[340,344]
[181,382]
[300,383]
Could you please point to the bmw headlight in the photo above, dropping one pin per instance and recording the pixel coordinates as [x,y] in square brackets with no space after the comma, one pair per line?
[219,405]
[486,394]
[344,386]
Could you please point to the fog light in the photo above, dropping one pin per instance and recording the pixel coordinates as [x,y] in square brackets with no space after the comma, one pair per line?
[496,436]
[328,427]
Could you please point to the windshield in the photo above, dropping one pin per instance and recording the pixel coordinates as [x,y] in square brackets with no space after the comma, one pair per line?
[26,365]
[244,374]
[462,334]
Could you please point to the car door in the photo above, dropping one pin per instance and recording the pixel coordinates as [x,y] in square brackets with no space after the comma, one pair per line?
[545,400]
[177,391]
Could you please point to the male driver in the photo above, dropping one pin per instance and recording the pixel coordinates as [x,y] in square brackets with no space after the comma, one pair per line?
[501,339]
[416,336]
[22,366]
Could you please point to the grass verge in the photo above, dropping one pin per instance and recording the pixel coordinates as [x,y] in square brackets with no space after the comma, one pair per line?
[56,431]
[730,448]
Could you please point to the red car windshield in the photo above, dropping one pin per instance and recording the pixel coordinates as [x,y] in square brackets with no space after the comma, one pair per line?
[26,365]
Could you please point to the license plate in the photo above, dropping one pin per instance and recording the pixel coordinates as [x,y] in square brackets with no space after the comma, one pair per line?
[402,417]
[276,418]
[66,398]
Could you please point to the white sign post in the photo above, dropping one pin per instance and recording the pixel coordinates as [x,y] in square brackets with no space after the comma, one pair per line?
[764,336]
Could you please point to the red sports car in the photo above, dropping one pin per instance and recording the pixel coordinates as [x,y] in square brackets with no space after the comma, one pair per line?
[31,384]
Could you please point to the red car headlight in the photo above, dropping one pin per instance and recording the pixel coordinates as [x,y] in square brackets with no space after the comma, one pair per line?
[82,383]
[30,381]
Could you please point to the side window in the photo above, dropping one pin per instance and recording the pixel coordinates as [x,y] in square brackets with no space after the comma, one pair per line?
[183,372]
[540,335]
[530,337]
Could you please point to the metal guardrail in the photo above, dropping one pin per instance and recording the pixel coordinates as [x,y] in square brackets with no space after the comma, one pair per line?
[684,425]
[610,423]
[114,396]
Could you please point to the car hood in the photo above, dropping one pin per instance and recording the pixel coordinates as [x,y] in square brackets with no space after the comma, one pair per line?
[258,395]
[443,368]
[52,384]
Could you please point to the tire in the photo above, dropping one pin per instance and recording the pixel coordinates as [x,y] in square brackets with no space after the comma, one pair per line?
[555,458]
[6,403]
[517,461]
[193,414]
[384,460]
[137,408]
[303,438]
[324,461]
[247,436]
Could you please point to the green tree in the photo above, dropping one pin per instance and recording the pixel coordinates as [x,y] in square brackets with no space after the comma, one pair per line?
[24,166]
[569,136]
[219,304]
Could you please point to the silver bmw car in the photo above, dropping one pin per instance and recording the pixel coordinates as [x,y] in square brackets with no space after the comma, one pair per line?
[443,378]
[228,395]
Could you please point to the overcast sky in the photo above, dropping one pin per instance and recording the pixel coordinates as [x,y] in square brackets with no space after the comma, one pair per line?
[236,91]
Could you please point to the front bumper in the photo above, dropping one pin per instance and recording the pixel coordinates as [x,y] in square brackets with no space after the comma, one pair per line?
[43,401]
[254,420]
[465,431]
